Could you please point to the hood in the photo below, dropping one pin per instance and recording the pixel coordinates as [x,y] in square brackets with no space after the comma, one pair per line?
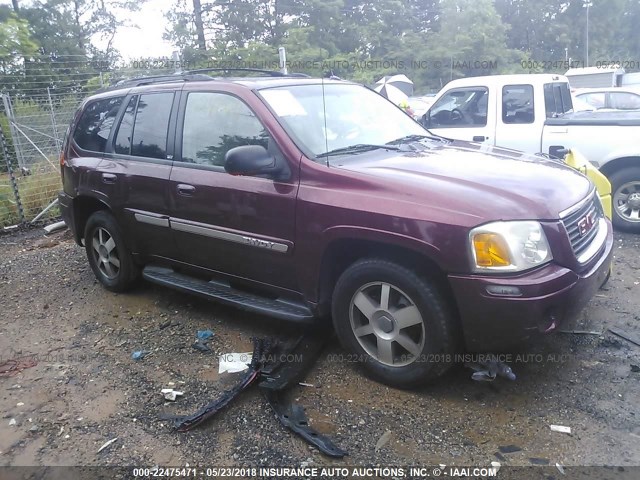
[475,181]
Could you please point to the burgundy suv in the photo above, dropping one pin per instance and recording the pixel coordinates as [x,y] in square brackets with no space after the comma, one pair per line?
[303,198]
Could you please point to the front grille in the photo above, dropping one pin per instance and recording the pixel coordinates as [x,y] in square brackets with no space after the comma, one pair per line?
[574,223]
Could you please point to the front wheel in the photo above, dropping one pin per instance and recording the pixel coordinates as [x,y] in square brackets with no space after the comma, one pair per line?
[625,186]
[108,256]
[397,323]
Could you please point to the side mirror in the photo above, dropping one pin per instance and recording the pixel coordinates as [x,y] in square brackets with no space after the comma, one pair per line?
[425,120]
[253,160]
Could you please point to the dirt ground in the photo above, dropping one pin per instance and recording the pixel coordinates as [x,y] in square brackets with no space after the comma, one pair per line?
[86,389]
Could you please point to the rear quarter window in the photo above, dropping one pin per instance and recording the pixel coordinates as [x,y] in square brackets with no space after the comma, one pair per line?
[94,126]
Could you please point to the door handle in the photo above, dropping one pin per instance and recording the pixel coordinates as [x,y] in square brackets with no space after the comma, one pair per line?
[480,138]
[187,190]
[109,178]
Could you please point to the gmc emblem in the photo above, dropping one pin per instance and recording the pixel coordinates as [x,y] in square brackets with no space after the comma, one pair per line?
[586,223]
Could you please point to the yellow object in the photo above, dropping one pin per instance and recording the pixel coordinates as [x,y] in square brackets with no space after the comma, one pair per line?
[576,160]
[491,250]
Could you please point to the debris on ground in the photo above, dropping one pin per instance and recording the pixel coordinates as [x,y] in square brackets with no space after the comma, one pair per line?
[234,362]
[561,429]
[635,368]
[539,461]
[12,422]
[627,336]
[201,346]
[139,355]
[560,468]
[509,449]
[496,465]
[187,422]
[302,384]
[204,334]
[106,444]
[383,440]
[171,394]
[487,371]
[202,341]
[165,325]
[14,366]
[581,332]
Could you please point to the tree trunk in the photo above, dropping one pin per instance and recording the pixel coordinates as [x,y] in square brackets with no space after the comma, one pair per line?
[80,37]
[197,12]
[16,7]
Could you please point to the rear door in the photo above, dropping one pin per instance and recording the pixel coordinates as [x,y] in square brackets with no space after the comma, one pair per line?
[136,169]
[464,113]
[519,123]
[237,225]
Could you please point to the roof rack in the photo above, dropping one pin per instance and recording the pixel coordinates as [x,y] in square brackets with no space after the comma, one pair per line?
[268,73]
[191,76]
[176,77]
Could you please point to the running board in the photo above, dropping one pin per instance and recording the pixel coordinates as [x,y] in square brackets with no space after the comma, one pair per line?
[223,293]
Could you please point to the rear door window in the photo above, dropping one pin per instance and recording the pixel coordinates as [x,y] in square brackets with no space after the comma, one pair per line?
[94,126]
[123,138]
[557,99]
[214,123]
[517,104]
[151,125]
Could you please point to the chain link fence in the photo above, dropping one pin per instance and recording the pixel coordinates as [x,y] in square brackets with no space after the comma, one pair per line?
[33,132]
[33,123]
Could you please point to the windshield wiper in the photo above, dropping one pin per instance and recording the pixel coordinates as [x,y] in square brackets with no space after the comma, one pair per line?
[414,138]
[357,148]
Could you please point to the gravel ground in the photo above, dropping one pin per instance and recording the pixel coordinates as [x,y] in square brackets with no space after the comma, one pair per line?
[86,389]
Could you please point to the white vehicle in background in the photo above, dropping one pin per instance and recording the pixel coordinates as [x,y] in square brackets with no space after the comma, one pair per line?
[581,106]
[420,105]
[534,113]
[615,98]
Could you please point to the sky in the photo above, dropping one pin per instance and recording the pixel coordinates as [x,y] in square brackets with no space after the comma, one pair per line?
[143,42]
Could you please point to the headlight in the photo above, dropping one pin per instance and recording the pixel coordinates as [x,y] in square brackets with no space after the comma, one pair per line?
[508,246]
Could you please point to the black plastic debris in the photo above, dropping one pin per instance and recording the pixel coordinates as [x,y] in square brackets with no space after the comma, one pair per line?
[278,366]
[487,371]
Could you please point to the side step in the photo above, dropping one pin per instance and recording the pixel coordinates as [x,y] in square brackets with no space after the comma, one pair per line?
[223,293]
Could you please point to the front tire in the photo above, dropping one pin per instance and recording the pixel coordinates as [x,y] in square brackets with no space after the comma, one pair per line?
[397,323]
[625,187]
[108,256]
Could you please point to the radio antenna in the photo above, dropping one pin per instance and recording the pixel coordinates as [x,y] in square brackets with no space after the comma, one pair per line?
[324,111]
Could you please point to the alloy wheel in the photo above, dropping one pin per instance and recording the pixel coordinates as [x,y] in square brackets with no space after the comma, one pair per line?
[387,324]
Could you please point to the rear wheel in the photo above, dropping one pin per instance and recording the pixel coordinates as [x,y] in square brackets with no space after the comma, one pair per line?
[625,186]
[398,324]
[108,256]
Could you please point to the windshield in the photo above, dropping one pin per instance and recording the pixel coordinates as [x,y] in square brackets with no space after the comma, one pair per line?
[345,116]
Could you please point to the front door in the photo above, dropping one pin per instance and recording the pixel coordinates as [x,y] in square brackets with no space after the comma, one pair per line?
[237,225]
[463,113]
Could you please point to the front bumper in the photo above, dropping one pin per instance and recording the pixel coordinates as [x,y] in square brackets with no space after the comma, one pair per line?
[549,297]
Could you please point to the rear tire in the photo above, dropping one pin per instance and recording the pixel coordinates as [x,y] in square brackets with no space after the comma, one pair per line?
[398,325]
[108,256]
[625,197]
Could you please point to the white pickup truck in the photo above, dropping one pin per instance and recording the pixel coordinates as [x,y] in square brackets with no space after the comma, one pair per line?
[534,113]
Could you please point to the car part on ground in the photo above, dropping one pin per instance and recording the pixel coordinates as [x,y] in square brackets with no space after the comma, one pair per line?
[278,366]
[187,422]
[292,416]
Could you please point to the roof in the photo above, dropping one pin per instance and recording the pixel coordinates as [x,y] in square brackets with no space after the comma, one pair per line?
[198,78]
[528,78]
[594,71]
